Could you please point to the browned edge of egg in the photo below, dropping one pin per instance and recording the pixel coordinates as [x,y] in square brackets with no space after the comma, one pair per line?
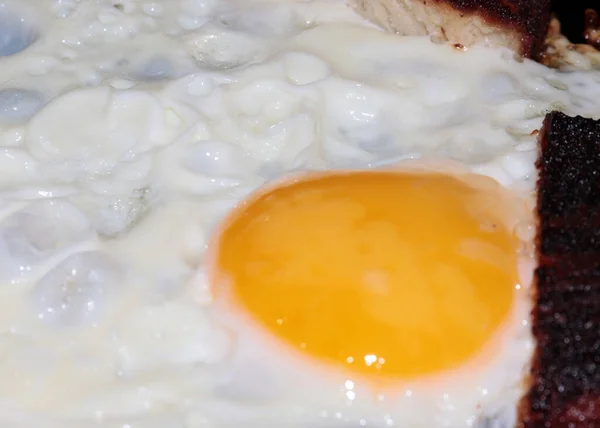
[564,388]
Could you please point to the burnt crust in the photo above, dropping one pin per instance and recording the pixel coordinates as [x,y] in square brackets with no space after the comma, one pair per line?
[565,374]
[529,18]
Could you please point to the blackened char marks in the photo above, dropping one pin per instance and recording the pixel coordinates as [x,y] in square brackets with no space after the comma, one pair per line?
[530,18]
[570,168]
[559,238]
[565,381]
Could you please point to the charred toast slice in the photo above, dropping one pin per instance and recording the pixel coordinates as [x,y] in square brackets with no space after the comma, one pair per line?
[565,377]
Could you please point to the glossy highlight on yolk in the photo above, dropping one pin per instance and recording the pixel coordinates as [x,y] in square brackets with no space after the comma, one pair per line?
[389,273]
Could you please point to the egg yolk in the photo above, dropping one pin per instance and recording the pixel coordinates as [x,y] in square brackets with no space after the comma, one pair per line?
[397,274]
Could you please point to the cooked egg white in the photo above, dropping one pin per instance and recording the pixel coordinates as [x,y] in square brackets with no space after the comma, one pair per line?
[137,137]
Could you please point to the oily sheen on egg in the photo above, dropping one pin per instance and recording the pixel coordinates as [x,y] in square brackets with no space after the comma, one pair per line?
[384,273]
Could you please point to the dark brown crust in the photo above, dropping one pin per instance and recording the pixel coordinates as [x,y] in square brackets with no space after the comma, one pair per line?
[530,18]
[565,376]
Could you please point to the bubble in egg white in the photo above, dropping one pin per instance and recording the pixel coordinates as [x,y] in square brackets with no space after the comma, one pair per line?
[361,124]
[216,48]
[16,34]
[19,105]
[303,69]
[48,141]
[518,164]
[119,125]
[270,122]
[359,117]
[114,214]
[156,69]
[354,103]
[207,168]
[39,231]
[77,290]
[266,101]
[200,86]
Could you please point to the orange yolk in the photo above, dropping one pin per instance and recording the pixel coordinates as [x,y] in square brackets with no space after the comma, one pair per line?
[398,274]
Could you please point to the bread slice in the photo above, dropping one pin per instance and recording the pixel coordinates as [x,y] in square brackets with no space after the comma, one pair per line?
[520,25]
[565,377]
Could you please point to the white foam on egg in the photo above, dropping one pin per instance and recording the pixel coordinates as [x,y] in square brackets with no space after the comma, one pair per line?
[129,129]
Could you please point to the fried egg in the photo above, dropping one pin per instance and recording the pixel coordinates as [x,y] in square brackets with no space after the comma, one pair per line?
[401,294]
[263,213]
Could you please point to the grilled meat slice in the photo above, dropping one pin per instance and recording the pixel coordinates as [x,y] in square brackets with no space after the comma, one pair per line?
[520,25]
